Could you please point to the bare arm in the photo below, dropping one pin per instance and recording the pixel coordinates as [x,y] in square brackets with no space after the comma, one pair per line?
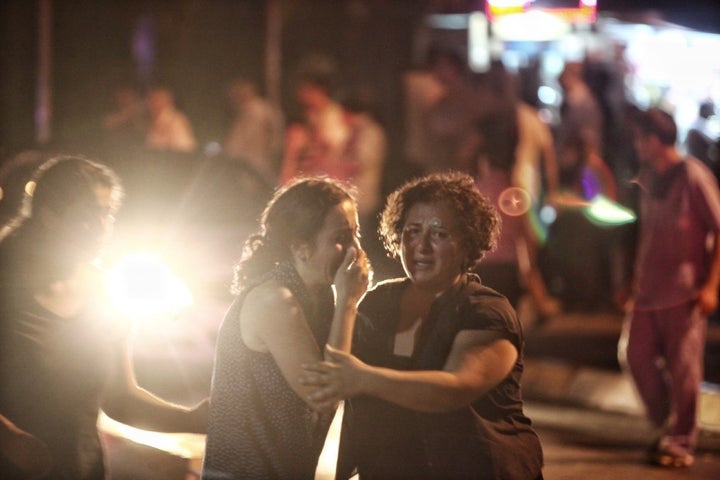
[478,362]
[273,321]
[125,401]
[351,282]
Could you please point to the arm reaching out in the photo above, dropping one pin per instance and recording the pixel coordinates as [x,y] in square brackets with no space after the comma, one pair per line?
[125,401]
[478,361]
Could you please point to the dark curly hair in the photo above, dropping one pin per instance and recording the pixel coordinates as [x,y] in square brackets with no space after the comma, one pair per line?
[479,225]
[295,213]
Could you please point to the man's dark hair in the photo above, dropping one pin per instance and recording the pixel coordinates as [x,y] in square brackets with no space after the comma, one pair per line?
[659,123]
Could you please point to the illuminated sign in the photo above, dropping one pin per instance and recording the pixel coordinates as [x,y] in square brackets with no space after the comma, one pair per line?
[571,11]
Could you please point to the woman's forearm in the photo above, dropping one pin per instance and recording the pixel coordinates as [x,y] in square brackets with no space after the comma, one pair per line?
[426,391]
[343,324]
[144,410]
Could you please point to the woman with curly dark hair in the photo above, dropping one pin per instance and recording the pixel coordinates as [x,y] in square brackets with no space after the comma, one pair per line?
[433,385]
[262,425]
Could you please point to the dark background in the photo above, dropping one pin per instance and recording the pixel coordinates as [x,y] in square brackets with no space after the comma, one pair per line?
[201,44]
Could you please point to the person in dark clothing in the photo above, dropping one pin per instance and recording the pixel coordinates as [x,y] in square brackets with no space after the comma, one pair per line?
[63,352]
[433,384]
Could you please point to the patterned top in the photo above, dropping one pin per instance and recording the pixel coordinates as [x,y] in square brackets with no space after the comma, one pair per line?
[258,427]
[489,439]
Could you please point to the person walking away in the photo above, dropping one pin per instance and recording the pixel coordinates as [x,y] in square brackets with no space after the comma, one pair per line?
[676,280]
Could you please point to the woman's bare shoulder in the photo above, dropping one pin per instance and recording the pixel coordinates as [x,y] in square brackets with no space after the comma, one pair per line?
[269,312]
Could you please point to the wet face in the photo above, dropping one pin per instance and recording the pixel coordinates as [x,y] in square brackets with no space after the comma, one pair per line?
[431,251]
[338,233]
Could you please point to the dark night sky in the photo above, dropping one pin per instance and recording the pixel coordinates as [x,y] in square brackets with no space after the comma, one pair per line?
[92,38]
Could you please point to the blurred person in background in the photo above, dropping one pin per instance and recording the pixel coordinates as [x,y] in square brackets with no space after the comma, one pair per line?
[580,258]
[701,137]
[433,384]
[515,167]
[675,286]
[126,122]
[262,423]
[365,152]
[582,172]
[255,136]
[169,129]
[315,144]
[449,121]
[64,354]
[580,112]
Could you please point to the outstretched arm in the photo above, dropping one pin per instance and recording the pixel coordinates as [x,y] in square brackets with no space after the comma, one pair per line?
[125,401]
[478,362]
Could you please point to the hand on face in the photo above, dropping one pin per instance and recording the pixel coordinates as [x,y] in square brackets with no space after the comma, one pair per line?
[353,276]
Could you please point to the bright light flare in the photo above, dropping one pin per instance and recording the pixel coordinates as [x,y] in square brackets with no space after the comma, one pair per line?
[185,445]
[606,212]
[141,285]
[514,201]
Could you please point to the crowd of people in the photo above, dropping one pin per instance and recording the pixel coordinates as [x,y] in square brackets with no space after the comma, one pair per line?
[429,364]
[456,121]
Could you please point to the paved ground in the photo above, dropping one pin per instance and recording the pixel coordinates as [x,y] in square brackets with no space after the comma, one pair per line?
[583,406]
[578,443]
[593,444]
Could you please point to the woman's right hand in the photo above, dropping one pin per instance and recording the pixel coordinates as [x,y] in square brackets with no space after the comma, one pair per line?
[353,276]
[333,380]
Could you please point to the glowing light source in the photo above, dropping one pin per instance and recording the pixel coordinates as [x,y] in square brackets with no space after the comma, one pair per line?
[548,95]
[603,211]
[143,286]
[584,11]
[530,26]
[30,187]
[548,214]
[185,445]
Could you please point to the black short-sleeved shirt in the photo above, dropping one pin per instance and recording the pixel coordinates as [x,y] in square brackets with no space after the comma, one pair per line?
[52,374]
[490,439]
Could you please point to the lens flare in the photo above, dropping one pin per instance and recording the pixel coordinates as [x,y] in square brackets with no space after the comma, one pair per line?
[143,286]
[514,201]
[603,211]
